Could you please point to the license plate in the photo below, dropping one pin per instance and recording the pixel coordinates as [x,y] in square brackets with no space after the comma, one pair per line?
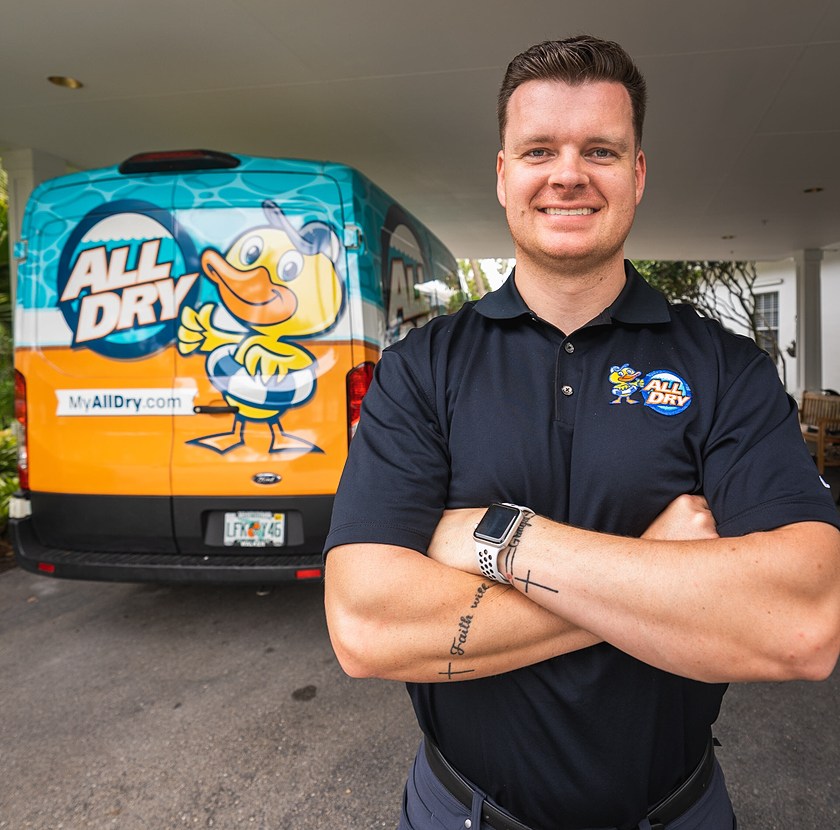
[255,529]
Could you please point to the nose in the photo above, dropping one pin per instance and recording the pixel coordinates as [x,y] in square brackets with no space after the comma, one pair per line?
[568,171]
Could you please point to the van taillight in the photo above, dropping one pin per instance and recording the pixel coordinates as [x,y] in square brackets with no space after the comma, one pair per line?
[19,429]
[358,383]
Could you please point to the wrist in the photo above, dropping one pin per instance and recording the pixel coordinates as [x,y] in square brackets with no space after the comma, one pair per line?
[508,555]
[496,538]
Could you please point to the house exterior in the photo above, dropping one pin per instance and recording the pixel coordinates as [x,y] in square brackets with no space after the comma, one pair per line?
[775,291]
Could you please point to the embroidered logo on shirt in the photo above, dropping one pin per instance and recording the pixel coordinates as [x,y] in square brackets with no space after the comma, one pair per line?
[626,381]
[666,392]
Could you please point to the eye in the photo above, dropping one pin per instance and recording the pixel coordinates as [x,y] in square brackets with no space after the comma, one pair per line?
[602,154]
[290,266]
[251,249]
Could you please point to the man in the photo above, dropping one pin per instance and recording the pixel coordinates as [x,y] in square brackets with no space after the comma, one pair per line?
[680,535]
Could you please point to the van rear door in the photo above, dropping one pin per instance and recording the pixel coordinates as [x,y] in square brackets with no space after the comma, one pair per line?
[100,286]
[263,352]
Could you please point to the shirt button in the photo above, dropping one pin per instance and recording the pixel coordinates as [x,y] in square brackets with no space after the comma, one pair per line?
[567,390]
[569,347]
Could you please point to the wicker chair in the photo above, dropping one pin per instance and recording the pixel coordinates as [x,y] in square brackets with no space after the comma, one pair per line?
[819,417]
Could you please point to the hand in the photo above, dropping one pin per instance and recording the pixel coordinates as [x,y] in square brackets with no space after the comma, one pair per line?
[197,331]
[686,517]
[452,542]
[265,355]
[259,360]
[193,329]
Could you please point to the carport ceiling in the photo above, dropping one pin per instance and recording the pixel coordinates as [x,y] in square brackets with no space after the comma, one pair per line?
[743,117]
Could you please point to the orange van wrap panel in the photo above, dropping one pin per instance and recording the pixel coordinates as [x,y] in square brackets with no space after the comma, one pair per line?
[70,393]
[90,453]
[303,448]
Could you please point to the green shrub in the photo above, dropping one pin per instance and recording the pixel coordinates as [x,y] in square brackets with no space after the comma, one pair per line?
[8,474]
[7,374]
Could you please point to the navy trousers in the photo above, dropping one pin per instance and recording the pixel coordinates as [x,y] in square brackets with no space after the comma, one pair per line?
[428,805]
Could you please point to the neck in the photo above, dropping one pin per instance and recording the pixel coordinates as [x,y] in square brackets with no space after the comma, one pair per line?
[566,296]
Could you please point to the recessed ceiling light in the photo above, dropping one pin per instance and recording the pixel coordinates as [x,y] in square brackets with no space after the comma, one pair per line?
[813,190]
[65,81]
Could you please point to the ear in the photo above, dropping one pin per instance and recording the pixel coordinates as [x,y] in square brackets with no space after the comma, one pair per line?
[641,174]
[500,178]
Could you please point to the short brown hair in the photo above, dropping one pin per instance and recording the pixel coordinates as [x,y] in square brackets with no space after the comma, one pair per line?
[573,61]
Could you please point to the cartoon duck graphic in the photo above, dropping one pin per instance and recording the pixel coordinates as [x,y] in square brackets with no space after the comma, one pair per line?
[275,283]
[625,381]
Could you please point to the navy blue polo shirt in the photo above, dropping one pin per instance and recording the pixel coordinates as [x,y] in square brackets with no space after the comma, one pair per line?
[601,429]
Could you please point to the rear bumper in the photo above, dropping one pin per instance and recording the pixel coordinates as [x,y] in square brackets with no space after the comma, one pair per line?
[50,543]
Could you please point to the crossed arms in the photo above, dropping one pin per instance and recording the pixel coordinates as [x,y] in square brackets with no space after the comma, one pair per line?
[765,606]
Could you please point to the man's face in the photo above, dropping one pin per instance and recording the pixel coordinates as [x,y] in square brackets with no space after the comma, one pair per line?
[569,175]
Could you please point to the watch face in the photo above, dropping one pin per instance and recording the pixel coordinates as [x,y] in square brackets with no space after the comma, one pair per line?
[496,524]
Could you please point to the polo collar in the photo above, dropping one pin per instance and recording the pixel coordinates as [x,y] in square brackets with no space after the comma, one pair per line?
[638,303]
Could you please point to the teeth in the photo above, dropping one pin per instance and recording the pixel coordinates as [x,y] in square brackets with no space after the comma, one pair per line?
[564,212]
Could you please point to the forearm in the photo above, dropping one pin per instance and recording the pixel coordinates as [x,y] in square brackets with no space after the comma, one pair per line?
[760,607]
[395,614]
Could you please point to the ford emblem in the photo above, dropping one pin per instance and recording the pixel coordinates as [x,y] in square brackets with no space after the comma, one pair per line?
[266,478]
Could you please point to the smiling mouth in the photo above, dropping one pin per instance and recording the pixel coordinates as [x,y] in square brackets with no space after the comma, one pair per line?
[568,211]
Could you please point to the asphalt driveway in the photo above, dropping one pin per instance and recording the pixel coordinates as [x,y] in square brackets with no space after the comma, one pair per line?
[146,707]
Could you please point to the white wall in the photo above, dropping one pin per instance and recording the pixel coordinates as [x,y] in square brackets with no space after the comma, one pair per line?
[831,320]
[781,276]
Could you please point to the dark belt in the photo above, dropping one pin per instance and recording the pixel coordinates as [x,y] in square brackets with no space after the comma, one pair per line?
[662,813]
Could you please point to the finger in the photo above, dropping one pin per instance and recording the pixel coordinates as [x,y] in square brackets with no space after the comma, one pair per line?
[189,318]
[204,316]
[189,335]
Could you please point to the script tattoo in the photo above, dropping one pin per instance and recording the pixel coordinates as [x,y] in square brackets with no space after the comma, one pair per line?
[460,640]
[510,553]
[479,594]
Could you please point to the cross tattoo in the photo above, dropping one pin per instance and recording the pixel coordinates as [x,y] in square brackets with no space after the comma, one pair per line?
[449,671]
[529,582]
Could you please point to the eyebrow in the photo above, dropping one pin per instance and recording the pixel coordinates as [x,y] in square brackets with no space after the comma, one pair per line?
[546,138]
[619,144]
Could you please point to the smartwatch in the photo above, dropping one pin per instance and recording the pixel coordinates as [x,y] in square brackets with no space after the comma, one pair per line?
[494,534]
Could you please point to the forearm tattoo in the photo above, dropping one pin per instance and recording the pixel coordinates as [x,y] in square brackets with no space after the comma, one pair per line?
[510,558]
[529,583]
[459,641]
[510,553]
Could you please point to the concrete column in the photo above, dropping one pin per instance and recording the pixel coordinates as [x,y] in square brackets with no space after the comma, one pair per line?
[26,169]
[808,320]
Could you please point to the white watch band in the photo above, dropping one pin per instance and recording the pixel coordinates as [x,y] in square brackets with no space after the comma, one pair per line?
[488,562]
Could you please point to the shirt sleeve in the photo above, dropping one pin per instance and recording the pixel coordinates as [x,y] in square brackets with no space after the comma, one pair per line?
[394,485]
[757,472]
